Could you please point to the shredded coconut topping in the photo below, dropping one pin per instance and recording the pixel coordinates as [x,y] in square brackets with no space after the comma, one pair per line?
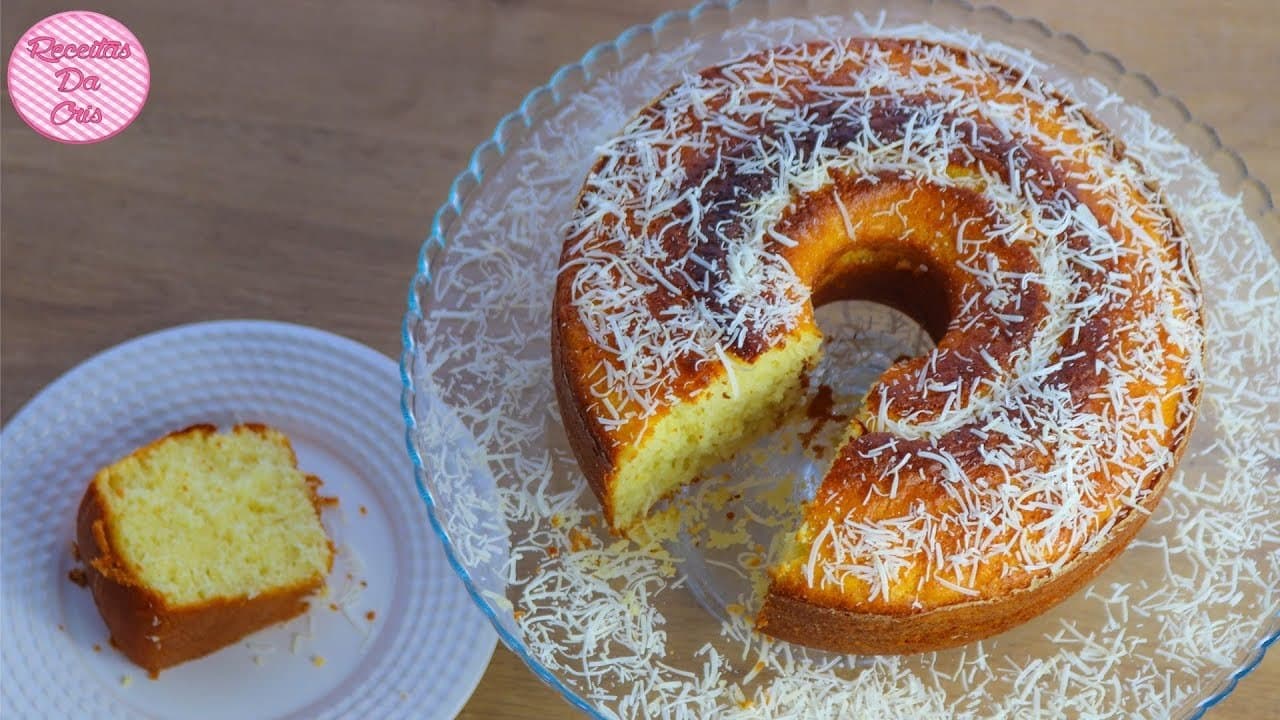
[614,620]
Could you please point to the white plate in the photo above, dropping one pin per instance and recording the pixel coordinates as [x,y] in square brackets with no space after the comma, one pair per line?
[421,655]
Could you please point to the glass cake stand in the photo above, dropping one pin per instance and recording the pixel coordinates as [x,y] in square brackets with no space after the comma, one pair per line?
[628,628]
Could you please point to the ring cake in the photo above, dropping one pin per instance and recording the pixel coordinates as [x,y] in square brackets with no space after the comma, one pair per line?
[980,483]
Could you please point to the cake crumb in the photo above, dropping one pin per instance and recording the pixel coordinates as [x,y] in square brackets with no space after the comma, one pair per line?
[317,660]
[371,616]
[126,681]
[97,647]
[364,510]
[579,541]
[333,607]
[78,576]
[404,695]
[553,551]
[315,483]
[364,583]
[75,551]
[821,410]
[62,627]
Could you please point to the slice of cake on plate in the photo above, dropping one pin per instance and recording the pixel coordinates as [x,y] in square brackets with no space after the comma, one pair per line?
[199,539]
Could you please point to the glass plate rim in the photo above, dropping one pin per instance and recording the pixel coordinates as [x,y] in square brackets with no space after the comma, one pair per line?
[494,149]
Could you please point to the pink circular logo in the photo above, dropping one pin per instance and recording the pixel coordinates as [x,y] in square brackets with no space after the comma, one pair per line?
[78,77]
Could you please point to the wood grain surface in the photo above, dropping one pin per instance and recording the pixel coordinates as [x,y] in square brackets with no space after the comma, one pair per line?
[291,155]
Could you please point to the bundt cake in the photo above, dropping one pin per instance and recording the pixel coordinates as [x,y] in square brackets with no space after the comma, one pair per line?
[200,538]
[980,483]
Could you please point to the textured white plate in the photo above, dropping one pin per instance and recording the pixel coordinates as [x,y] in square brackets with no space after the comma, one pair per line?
[420,656]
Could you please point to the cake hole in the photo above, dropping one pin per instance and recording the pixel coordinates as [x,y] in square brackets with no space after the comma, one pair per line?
[861,340]
[895,276]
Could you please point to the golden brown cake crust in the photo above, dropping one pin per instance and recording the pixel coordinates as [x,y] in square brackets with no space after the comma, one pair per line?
[596,456]
[142,625]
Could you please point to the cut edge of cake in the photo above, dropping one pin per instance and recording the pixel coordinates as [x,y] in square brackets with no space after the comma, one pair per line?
[745,401]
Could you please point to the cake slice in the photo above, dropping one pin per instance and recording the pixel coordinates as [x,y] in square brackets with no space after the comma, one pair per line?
[199,539]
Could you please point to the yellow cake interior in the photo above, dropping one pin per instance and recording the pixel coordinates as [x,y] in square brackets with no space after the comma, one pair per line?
[202,515]
[738,406]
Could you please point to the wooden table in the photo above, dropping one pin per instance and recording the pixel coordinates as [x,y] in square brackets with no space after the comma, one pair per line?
[291,155]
